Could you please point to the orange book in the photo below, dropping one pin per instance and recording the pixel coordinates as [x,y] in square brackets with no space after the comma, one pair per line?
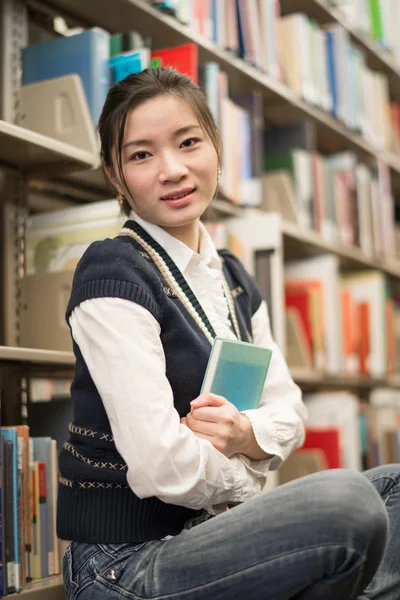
[182,58]
[350,355]
[390,336]
[363,337]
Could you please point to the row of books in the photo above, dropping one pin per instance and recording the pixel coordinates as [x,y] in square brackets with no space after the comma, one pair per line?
[345,431]
[378,20]
[29,479]
[367,337]
[240,122]
[346,201]
[326,69]
[101,60]
[247,29]
[217,20]
[320,63]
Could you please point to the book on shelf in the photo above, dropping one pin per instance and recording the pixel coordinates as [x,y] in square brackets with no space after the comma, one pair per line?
[183,58]
[328,440]
[346,201]
[237,371]
[341,323]
[3,558]
[351,432]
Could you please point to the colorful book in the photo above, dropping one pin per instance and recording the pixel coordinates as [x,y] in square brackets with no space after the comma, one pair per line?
[237,371]
[13,566]
[85,54]
[182,58]
[3,561]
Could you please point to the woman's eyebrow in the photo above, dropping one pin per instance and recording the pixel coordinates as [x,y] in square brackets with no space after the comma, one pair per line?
[177,133]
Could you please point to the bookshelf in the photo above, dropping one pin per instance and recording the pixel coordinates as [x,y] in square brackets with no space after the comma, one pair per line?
[32,152]
[36,156]
[282,105]
[299,242]
[322,13]
[310,381]
[36,357]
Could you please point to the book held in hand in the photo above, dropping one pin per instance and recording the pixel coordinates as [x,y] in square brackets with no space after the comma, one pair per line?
[237,370]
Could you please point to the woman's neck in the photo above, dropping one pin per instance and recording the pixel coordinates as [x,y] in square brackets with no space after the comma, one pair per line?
[187,234]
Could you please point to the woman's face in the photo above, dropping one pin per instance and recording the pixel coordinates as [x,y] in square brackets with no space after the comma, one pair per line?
[169,163]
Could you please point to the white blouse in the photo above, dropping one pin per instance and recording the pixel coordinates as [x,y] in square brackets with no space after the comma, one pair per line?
[120,343]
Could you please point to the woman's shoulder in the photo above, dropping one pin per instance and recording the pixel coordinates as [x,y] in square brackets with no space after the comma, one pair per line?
[115,268]
[118,258]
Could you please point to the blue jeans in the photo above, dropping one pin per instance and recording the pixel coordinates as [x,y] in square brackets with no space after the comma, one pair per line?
[323,536]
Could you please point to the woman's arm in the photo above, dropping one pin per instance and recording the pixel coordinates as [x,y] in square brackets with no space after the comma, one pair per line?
[120,342]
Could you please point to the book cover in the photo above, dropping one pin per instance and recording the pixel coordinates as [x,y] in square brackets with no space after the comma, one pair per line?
[42,454]
[182,58]
[3,561]
[12,507]
[328,440]
[237,371]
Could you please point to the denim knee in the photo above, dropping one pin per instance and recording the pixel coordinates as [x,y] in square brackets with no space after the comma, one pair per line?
[352,494]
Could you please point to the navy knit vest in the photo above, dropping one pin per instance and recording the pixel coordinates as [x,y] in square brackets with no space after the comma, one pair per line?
[95,503]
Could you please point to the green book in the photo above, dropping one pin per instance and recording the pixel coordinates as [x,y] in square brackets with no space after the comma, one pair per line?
[376,20]
[237,371]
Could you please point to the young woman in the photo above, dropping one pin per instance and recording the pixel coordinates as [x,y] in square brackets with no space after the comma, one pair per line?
[151,466]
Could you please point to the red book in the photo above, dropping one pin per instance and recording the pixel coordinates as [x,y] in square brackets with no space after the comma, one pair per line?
[182,58]
[328,440]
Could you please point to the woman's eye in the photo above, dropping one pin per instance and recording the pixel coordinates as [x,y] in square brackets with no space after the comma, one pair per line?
[190,142]
[139,155]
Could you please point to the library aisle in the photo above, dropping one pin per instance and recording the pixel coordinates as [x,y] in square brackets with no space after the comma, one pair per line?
[306,97]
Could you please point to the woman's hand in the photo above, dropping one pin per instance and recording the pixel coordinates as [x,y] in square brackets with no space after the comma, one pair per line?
[215,419]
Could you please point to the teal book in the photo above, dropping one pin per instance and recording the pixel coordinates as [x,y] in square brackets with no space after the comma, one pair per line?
[237,371]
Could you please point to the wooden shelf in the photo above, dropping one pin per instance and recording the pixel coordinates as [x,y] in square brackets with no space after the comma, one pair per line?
[282,105]
[299,243]
[51,588]
[32,355]
[314,380]
[29,151]
[377,57]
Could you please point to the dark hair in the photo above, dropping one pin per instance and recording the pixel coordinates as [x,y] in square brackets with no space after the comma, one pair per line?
[132,91]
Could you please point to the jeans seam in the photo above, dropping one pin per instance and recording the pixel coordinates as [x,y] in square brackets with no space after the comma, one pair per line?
[391,477]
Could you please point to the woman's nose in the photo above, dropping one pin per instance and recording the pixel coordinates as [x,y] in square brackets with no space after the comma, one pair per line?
[172,169]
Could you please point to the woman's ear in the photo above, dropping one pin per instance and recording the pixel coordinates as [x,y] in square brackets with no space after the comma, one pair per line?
[111,177]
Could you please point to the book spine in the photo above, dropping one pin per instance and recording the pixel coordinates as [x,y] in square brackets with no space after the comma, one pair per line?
[43,508]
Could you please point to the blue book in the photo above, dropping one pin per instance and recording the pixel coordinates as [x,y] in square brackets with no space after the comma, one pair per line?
[332,76]
[85,54]
[237,371]
[3,563]
[128,63]
[10,435]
